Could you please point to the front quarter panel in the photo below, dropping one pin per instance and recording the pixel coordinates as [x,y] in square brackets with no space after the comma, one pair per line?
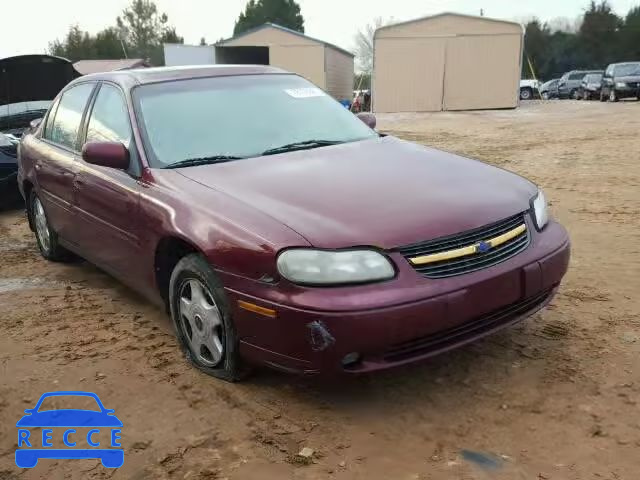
[236,238]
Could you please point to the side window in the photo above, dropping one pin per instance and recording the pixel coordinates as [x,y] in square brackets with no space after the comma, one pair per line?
[51,115]
[109,121]
[68,117]
[577,76]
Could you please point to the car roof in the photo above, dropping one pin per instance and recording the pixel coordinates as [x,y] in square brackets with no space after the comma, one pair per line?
[140,76]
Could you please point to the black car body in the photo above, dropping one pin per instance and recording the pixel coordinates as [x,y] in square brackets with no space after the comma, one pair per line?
[591,86]
[28,84]
[569,86]
[621,80]
[549,89]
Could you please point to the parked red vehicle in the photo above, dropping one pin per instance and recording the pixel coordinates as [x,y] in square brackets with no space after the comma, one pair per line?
[277,228]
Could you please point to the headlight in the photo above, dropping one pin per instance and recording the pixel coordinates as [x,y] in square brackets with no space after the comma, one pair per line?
[320,267]
[621,85]
[539,210]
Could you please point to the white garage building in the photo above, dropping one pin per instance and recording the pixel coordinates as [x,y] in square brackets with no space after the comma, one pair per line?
[328,66]
[447,62]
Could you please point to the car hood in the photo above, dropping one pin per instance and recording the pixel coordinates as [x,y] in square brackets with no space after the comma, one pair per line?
[382,192]
[33,77]
[69,418]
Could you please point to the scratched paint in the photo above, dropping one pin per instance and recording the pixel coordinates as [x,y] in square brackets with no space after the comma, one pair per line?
[321,339]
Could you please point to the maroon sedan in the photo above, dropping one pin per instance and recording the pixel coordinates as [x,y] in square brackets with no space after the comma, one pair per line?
[278,228]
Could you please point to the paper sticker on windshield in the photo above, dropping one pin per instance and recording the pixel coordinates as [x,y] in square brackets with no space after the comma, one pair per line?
[308,92]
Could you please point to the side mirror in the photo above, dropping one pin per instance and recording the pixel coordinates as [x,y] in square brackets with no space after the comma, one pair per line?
[369,119]
[106,154]
[34,124]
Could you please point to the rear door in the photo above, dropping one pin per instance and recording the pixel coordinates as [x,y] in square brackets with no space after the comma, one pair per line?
[107,198]
[56,157]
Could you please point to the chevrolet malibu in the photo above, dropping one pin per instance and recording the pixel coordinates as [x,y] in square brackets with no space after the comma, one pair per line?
[279,229]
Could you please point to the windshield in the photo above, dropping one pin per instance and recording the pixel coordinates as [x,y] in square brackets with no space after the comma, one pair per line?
[594,77]
[628,70]
[238,116]
[23,107]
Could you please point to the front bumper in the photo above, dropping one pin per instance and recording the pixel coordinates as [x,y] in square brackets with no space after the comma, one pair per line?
[459,310]
[628,91]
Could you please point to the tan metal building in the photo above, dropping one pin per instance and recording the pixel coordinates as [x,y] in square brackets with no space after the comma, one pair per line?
[447,62]
[328,66]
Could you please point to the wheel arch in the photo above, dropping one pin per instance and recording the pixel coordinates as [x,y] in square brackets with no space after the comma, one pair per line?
[169,251]
[27,188]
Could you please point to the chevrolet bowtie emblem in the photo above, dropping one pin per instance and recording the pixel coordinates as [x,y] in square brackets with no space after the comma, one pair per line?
[483,247]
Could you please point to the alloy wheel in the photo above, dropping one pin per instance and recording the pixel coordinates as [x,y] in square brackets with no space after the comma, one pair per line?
[201,322]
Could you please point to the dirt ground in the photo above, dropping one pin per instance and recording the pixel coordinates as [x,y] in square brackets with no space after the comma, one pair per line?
[557,397]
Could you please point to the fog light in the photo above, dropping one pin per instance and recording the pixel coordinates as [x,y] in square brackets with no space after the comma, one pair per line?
[350,359]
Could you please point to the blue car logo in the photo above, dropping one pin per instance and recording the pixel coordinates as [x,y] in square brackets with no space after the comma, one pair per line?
[32,446]
[483,247]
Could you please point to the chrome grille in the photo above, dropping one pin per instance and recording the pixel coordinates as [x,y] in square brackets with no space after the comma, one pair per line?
[469,262]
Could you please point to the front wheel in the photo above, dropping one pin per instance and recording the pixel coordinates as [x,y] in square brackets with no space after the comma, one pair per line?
[546,96]
[613,96]
[526,94]
[46,238]
[202,319]
[575,94]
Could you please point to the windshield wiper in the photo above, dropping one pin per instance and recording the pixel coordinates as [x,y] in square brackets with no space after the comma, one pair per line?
[306,145]
[194,162]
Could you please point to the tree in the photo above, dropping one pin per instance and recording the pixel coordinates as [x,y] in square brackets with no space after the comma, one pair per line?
[107,44]
[285,13]
[536,49]
[364,44]
[77,45]
[598,35]
[144,29]
[362,81]
[630,36]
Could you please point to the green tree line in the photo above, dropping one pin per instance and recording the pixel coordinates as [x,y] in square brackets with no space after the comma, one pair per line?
[602,38]
[138,33]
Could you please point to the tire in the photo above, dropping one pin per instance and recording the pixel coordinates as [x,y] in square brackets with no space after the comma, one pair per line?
[603,97]
[613,97]
[46,238]
[202,319]
[546,96]
[526,94]
[574,95]
[586,96]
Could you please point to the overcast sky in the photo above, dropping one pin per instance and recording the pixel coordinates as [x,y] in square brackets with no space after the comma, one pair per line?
[28,26]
